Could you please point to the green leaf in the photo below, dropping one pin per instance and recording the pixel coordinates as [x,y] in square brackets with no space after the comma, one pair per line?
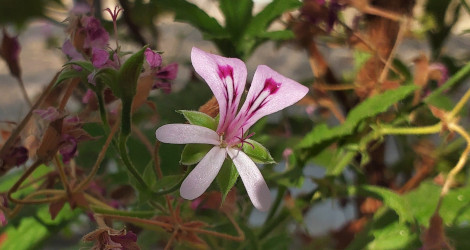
[368,108]
[167,182]
[108,77]
[237,15]
[258,153]
[33,231]
[193,153]
[273,10]
[391,199]
[88,66]
[199,118]
[454,208]
[149,175]
[226,178]
[190,13]
[390,234]
[69,73]
[342,160]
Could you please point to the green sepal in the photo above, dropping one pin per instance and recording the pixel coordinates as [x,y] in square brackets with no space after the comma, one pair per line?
[227,177]
[129,74]
[127,87]
[193,153]
[199,118]
[258,153]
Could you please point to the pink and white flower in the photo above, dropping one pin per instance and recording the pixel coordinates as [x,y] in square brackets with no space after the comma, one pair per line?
[226,77]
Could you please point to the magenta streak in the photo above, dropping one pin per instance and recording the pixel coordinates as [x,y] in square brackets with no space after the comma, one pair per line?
[224,72]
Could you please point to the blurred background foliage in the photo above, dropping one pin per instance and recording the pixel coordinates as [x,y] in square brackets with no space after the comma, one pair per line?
[327,148]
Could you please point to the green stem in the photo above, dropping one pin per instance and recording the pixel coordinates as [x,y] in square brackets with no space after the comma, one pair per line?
[271,225]
[459,105]
[103,115]
[277,202]
[411,130]
[126,117]
[127,162]
[138,214]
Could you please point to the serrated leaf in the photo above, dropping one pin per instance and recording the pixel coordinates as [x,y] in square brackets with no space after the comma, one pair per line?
[258,153]
[390,234]
[226,178]
[391,199]
[454,208]
[193,153]
[199,118]
[368,108]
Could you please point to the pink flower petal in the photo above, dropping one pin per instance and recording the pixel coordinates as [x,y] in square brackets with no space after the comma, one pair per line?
[186,133]
[226,78]
[99,57]
[203,174]
[254,182]
[269,93]
[153,59]
[168,72]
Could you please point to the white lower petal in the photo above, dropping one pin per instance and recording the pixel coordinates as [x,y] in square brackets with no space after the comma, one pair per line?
[254,182]
[203,174]
[186,133]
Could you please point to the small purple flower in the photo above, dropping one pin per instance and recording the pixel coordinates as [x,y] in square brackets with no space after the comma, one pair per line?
[96,35]
[442,69]
[99,57]
[226,77]
[164,86]
[49,114]
[68,148]
[17,156]
[168,72]
[153,59]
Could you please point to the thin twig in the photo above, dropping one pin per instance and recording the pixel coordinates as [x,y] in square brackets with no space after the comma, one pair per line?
[400,35]
[101,155]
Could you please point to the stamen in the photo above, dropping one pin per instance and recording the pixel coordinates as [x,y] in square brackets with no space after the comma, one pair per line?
[243,139]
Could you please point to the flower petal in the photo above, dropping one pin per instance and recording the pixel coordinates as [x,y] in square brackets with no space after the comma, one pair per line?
[186,133]
[226,77]
[254,182]
[203,174]
[269,93]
